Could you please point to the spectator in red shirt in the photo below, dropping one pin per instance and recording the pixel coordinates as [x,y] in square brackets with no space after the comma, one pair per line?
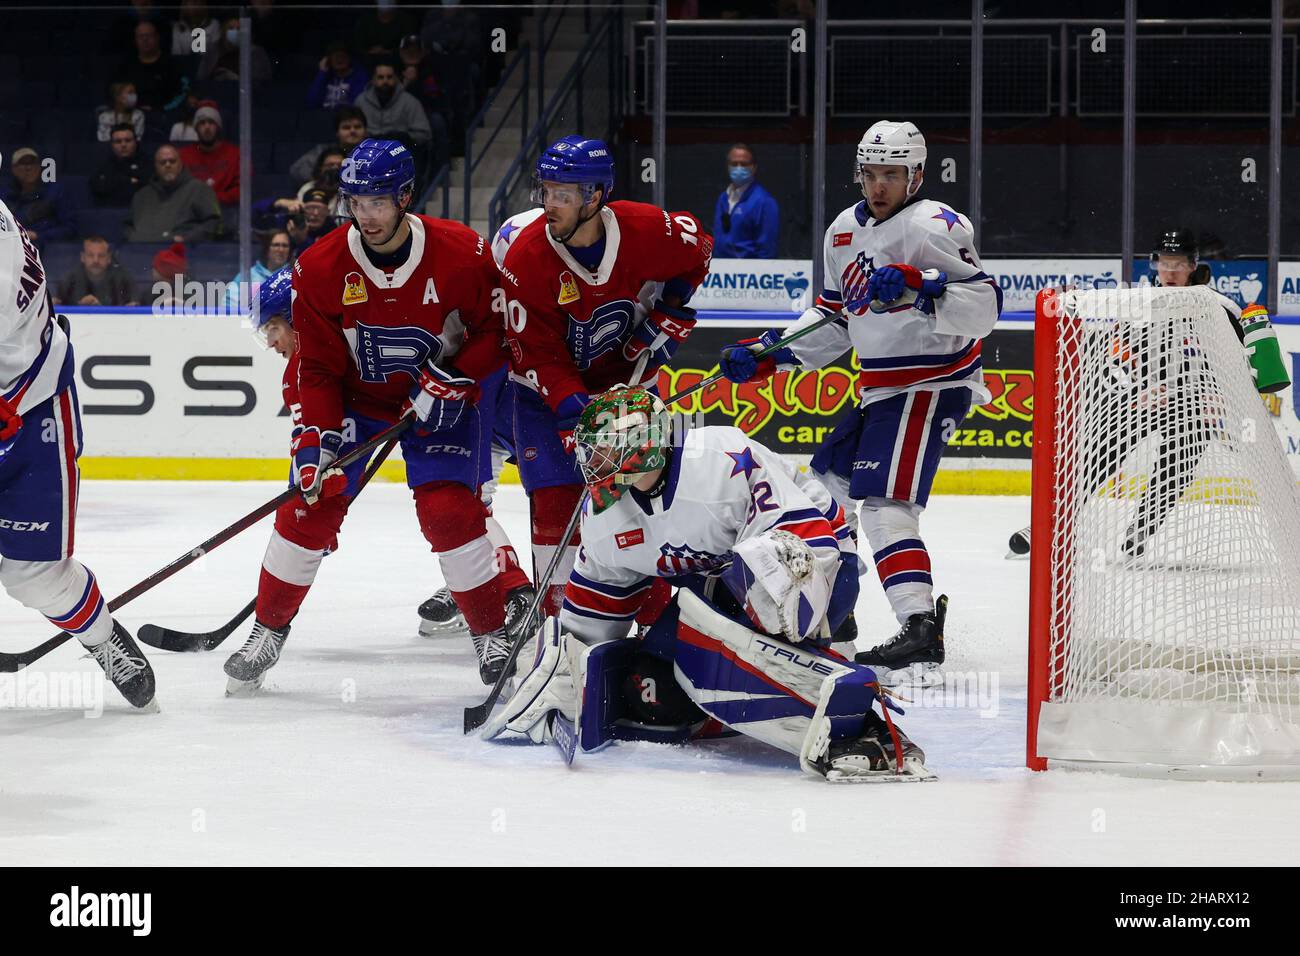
[213,160]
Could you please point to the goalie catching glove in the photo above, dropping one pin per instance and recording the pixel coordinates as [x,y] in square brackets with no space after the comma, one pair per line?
[898,286]
[776,579]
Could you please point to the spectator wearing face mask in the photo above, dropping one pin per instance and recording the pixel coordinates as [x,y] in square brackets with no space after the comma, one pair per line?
[213,160]
[159,82]
[41,207]
[221,62]
[121,108]
[746,221]
[97,279]
[339,81]
[124,173]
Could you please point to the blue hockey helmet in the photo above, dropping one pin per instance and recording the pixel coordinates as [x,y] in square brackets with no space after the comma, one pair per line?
[274,301]
[588,163]
[378,167]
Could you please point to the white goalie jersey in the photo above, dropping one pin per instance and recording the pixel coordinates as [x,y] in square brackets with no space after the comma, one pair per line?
[33,348]
[721,489]
[904,349]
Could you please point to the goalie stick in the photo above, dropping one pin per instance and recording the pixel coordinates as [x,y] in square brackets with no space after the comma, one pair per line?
[9,663]
[477,715]
[183,642]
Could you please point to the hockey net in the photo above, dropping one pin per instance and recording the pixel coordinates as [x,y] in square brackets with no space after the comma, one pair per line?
[1165,574]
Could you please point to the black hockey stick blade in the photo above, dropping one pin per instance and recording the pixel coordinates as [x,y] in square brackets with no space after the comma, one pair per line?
[184,642]
[9,663]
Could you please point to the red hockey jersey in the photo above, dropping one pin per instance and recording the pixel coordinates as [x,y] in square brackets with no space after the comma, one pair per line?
[566,325]
[364,333]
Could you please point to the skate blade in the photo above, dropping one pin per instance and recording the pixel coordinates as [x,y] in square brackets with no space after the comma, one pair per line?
[149,708]
[433,629]
[243,688]
[913,772]
[1012,556]
[913,677]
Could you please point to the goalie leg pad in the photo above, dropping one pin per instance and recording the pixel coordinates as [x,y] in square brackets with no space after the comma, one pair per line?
[549,686]
[764,687]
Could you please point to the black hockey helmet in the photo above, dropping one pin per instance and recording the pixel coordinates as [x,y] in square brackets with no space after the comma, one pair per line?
[1176,242]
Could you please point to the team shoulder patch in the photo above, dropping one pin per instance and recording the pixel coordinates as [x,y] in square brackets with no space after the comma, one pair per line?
[568,289]
[354,289]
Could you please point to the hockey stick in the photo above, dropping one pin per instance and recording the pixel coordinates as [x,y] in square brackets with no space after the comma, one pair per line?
[166,639]
[476,716]
[9,663]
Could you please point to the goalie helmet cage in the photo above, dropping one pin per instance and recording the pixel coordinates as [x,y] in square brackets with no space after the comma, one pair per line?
[1164,613]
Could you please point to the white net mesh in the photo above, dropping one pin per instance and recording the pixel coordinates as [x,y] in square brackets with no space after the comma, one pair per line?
[1175,558]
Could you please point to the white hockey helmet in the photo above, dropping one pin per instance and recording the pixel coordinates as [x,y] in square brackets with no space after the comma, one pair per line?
[893,144]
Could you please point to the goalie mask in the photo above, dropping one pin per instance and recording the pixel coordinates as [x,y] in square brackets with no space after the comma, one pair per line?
[621,435]
[893,144]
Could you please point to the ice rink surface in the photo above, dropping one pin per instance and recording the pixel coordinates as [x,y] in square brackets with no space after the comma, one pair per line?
[353,752]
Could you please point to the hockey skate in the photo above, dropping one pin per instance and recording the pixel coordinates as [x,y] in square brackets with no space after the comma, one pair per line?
[247,667]
[913,655]
[493,649]
[440,617]
[126,666]
[873,758]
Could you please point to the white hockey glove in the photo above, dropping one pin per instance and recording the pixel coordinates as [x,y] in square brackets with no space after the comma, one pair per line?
[549,686]
[787,594]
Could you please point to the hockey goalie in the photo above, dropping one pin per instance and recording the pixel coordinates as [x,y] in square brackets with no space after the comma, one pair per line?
[764,567]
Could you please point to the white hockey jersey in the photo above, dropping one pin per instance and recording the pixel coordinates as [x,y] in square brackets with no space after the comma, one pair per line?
[903,350]
[33,347]
[722,488]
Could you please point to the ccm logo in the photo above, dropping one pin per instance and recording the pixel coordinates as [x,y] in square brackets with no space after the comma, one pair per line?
[629,539]
[8,525]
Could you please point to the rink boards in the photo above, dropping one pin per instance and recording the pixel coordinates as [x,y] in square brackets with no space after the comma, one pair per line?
[196,397]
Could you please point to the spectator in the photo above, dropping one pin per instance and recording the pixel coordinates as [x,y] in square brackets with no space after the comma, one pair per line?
[275,213]
[123,173]
[158,81]
[120,109]
[183,130]
[314,220]
[174,206]
[418,75]
[391,112]
[746,221]
[42,208]
[98,280]
[212,159]
[338,81]
[275,254]
[221,62]
[194,16]
[349,130]
[168,288]
[380,30]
